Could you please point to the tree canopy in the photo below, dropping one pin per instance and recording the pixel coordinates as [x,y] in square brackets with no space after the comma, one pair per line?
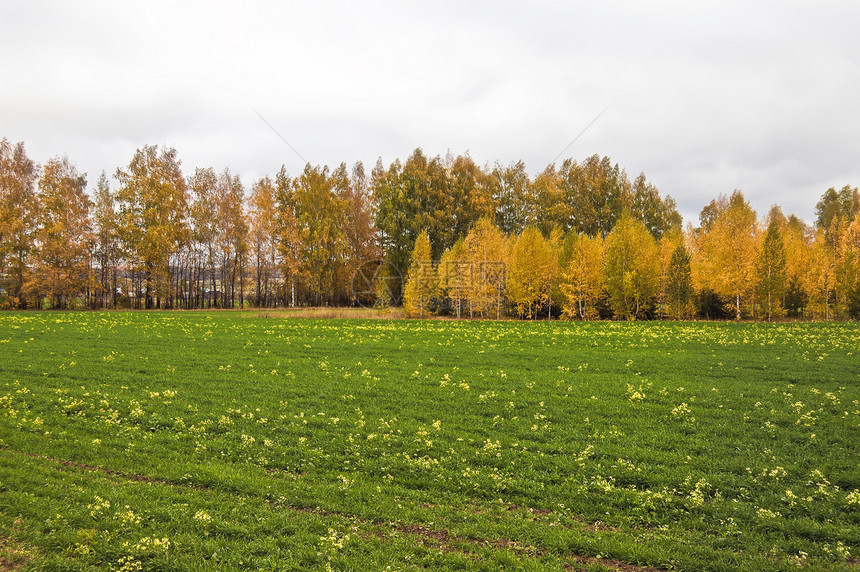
[579,240]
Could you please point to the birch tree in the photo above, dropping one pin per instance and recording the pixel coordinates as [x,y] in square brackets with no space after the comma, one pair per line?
[511,190]
[202,219]
[632,269]
[821,278]
[107,247]
[770,270]
[61,262]
[679,288]
[531,268]
[796,238]
[153,201]
[582,282]
[231,227]
[18,208]
[849,268]
[486,251]
[420,288]
[454,275]
[729,247]
[836,207]
[263,233]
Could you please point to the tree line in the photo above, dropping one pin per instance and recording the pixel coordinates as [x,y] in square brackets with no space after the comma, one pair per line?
[441,234]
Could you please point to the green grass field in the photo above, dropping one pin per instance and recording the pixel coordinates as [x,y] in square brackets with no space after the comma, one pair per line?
[201,441]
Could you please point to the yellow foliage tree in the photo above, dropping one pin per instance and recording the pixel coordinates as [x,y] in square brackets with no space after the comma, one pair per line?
[454,275]
[666,247]
[728,251]
[532,266]
[797,260]
[678,300]
[632,271]
[849,269]
[821,278]
[486,250]
[582,279]
[263,234]
[771,277]
[421,281]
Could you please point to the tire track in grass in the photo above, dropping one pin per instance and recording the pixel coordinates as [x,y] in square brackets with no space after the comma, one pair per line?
[440,539]
[13,554]
[105,471]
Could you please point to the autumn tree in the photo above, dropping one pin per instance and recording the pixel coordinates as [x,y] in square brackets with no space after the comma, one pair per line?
[511,190]
[848,269]
[153,202]
[202,218]
[486,251]
[61,261]
[470,195]
[660,216]
[632,272]
[796,238]
[262,238]
[836,207]
[393,207]
[770,270]
[666,246]
[531,268]
[569,238]
[420,288]
[409,200]
[319,215]
[288,238]
[362,240]
[444,198]
[596,193]
[679,283]
[555,242]
[820,280]
[454,277]
[552,210]
[106,240]
[18,208]
[728,249]
[712,211]
[777,217]
[582,281]
[231,235]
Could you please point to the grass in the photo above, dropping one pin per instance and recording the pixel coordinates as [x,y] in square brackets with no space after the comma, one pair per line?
[198,441]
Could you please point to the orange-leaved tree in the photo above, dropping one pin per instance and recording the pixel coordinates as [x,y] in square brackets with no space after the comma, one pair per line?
[63,236]
[18,208]
[153,204]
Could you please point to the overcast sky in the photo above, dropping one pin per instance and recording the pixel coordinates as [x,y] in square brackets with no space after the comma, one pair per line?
[703,97]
